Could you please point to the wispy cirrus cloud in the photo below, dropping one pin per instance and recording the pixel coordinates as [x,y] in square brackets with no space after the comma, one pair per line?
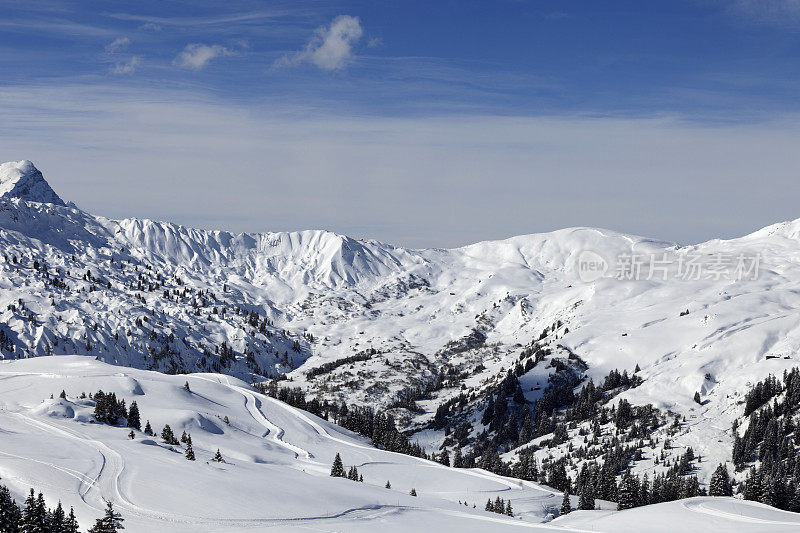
[118,44]
[210,20]
[331,47]
[197,55]
[150,26]
[778,12]
[127,67]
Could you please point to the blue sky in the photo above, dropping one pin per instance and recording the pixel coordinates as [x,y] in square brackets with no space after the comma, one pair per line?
[420,123]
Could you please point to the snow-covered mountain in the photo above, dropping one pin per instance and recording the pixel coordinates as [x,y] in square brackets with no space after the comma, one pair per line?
[20,179]
[415,331]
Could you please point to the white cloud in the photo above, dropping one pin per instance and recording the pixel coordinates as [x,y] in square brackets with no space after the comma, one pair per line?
[150,26]
[117,44]
[127,67]
[331,47]
[196,55]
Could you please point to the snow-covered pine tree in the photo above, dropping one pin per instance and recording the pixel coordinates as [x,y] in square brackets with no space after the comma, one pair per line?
[627,497]
[189,450]
[566,506]
[148,430]
[586,497]
[337,470]
[57,519]
[71,523]
[218,457]
[110,523]
[31,520]
[133,417]
[168,435]
[720,484]
[458,459]
[444,458]
[9,511]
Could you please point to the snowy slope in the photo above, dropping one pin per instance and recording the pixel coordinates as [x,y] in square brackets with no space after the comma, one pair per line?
[276,470]
[276,473]
[155,289]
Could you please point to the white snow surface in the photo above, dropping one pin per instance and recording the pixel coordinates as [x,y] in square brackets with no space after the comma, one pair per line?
[278,459]
[276,474]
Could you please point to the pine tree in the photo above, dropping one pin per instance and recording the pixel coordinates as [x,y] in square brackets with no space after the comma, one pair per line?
[626,492]
[794,503]
[509,510]
[388,485]
[458,459]
[767,495]
[720,484]
[566,506]
[133,417]
[489,505]
[337,470]
[9,511]
[189,451]
[57,519]
[147,429]
[110,523]
[218,457]
[71,523]
[168,435]
[586,497]
[184,437]
[444,458]
[32,518]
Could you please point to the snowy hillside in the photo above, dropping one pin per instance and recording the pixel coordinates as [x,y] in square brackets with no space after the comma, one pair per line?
[275,469]
[429,335]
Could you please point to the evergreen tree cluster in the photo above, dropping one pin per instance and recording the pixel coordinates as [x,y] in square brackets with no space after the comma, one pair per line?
[337,470]
[769,443]
[107,409]
[326,368]
[380,426]
[499,506]
[35,517]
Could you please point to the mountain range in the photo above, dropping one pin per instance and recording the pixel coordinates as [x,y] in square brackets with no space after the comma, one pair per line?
[435,337]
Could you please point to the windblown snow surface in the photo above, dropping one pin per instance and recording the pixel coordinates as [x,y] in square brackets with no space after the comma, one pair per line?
[276,474]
